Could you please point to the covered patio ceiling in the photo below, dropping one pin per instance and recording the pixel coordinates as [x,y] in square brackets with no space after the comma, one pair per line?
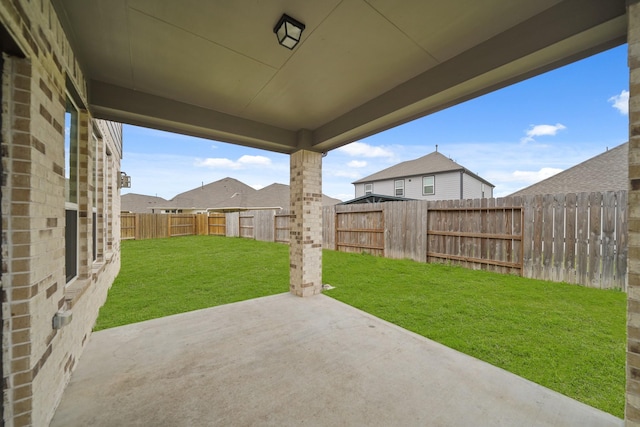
[214,69]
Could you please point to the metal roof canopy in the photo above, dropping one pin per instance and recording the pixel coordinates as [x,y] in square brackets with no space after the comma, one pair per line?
[214,69]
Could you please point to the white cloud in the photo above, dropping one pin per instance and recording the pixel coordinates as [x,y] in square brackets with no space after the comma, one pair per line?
[532,177]
[347,174]
[621,102]
[542,130]
[217,163]
[365,150]
[357,164]
[256,186]
[241,163]
[254,160]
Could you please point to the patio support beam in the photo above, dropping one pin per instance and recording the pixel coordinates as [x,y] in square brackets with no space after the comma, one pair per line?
[305,247]
[632,408]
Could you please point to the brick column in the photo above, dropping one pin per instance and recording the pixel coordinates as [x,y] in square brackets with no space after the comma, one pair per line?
[305,248]
[632,409]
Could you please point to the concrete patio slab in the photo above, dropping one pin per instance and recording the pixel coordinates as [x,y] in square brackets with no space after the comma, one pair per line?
[284,361]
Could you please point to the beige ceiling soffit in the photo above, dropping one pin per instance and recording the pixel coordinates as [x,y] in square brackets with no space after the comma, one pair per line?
[498,78]
[551,28]
[119,104]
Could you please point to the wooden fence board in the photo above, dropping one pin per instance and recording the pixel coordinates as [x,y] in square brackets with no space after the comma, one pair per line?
[570,238]
[608,239]
[622,240]
[232,221]
[360,229]
[263,223]
[245,225]
[282,226]
[329,227]
[595,238]
[181,225]
[217,225]
[582,237]
[501,227]
[480,254]
[528,233]
[557,272]
[547,236]
[538,227]
[128,226]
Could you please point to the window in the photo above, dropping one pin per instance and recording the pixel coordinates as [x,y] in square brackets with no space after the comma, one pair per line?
[399,186]
[368,189]
[71,143]
[428,185]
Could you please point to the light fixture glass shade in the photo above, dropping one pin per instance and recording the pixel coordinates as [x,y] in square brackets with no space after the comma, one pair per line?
[288,31]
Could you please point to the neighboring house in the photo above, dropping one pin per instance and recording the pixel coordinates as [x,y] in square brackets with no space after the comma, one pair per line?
[227,194]
[431,177]
[140,203]
[278,195]
[600,173]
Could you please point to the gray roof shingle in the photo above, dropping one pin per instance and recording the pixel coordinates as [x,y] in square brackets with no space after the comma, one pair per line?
[140,203]
[604,172]
[432,163]
[225,193]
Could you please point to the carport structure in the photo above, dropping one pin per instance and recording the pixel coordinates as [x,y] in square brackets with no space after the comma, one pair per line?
[214,69]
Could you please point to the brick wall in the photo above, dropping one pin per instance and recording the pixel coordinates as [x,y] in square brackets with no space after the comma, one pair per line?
[38,359]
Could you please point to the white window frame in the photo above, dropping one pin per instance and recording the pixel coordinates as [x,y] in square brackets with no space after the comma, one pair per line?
[433,185]
[368,188]
[398,186]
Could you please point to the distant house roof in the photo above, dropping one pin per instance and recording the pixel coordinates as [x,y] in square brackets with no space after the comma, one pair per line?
[140,203]
[374,198]
[225,194]
[432,163]
[604,172]
[278,195]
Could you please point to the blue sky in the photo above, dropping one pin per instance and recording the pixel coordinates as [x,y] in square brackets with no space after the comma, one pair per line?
[513,138]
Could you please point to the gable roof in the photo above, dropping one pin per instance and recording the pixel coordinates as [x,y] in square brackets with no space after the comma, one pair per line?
[140,203]
[432,163]
[226,193]
[604,172]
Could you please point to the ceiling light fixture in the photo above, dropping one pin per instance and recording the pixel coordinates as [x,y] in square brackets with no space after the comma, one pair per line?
[288,31]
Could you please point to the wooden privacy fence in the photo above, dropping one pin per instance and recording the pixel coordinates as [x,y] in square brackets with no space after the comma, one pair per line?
[575,238]
[474,235]
[360,231]
[157,226]
[216,224]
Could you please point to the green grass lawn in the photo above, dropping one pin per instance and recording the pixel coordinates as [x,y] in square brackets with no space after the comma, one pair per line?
[167,276]
[565,337]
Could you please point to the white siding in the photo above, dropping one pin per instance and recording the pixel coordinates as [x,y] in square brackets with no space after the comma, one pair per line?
[447,187]
[473,188]
[379,187]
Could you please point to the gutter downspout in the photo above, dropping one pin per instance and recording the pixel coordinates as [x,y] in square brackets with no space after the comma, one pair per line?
[461,184]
